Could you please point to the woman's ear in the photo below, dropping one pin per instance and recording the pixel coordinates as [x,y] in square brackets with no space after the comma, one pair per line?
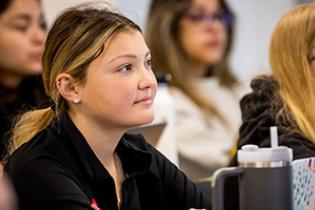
[67,87]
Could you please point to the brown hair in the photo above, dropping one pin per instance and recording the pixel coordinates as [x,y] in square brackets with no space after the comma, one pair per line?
[168,57]
[5,4]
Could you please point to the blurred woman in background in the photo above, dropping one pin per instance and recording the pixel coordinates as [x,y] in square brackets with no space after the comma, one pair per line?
[191,41]
[287,98]
[79,142]
[22,33]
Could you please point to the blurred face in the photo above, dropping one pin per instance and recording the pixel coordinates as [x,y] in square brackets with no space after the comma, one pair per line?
[202,32]
[7,197]
[120,86]
[22,32]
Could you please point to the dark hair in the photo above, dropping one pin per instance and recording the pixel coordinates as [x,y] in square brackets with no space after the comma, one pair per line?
[4,5]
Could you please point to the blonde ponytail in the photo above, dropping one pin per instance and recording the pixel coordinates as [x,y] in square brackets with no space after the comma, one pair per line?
[29,124]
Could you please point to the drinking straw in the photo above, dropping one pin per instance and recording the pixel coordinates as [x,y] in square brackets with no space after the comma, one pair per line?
[274,136]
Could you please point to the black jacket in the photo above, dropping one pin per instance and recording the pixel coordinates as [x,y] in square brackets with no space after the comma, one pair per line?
[58,170]
[259,110]
[28,95]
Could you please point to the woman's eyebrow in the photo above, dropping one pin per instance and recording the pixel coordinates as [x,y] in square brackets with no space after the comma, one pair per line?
[122,56]
[148,54]
[26,17]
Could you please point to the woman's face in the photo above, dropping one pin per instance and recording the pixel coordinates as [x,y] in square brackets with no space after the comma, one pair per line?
[120,86]
[202,32]
[22,33]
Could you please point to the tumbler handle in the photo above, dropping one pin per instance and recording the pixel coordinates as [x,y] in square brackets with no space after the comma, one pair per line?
[217,183]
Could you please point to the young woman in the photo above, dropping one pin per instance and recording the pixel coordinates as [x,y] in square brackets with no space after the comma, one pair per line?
[75,154]
[22,33]
[191,41]
[287,98]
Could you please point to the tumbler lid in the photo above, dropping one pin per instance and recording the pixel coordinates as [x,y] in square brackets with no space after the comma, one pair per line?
[276,156]
[254,154]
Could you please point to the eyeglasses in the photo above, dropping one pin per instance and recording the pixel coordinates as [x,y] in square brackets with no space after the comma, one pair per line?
[311,58]
[199,18]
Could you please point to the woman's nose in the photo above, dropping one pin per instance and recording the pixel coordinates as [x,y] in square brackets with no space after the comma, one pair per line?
[147,80]
[38,35]
[215,26]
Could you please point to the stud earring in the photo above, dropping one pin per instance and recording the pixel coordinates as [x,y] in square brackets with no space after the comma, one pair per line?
[76,100]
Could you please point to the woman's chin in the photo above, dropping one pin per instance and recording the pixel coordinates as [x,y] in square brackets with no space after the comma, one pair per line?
[145,119]
[32,69]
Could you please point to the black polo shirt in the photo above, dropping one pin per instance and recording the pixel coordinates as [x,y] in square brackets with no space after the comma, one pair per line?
[58,170]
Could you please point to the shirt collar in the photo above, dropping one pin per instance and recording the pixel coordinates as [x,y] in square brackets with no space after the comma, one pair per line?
[135,160]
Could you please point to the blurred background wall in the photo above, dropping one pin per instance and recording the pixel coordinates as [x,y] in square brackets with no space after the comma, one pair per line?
[53,7]
[255,22]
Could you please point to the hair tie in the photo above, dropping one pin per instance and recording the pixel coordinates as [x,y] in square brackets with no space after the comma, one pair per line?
[52,105]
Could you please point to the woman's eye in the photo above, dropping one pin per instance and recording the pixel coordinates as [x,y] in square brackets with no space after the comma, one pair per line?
[43,25]
[126,68]
[21,27]
[149,64]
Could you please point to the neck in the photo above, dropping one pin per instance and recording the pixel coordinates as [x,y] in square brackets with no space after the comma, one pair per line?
[199,70]
[101,138]
[103,141]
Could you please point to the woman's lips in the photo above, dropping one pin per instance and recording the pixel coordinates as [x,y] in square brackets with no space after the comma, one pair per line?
[145,100]
[36,56]
[214,44]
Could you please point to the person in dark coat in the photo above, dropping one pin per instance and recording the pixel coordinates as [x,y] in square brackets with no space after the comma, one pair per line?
[287,98]
[263,108]
[22,33]
[75,154]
